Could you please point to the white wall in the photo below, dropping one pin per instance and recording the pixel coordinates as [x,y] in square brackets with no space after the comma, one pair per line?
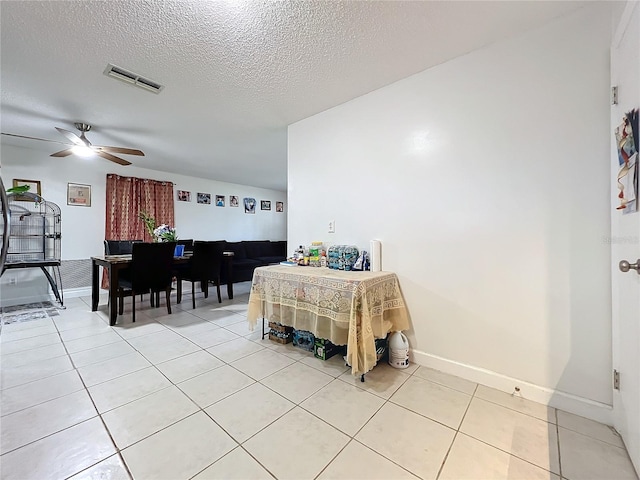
[83,228]
[487,180]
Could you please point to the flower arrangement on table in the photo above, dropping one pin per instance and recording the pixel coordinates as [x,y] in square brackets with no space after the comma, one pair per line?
[163,233]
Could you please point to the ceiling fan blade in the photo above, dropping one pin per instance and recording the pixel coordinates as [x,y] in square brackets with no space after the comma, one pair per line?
[33,138]
[113,158]
[71,136]
[62,153]
[128,151]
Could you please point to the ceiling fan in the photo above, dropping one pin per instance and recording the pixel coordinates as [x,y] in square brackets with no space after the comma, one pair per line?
[80,145]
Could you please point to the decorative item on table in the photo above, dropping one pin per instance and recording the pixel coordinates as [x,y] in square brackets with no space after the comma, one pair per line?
[280,333]
[362,263]
[375,255]
[324,349]
[149,222]
[165,233]
[342,257]
[315,253]
[289,263]
[304,340]
[300,256]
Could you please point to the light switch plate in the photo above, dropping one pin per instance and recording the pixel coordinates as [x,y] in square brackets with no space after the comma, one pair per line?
[332,226]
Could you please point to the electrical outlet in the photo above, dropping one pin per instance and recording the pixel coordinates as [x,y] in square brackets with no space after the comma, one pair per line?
[332,226]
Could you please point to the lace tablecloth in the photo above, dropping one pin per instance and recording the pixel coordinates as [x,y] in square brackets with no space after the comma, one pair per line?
[348,308]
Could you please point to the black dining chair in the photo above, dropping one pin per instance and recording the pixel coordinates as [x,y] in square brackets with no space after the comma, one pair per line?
[119,247]
[122,247]
[188,245]
[151,270]
[204,267]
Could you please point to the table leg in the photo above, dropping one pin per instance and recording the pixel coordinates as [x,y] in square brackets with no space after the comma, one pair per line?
[113,295]
[95,296]
[229,277]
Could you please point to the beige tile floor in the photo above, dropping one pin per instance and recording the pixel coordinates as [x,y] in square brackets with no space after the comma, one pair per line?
[197,395]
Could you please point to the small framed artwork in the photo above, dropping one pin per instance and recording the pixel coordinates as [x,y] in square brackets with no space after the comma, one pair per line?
[219,200]
[204,198]
[34,187]
[279,206]
[265,204]
[234,201]
[249,205]
[78,194]
[184,196]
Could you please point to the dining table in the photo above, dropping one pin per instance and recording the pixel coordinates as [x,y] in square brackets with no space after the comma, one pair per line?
[114,264]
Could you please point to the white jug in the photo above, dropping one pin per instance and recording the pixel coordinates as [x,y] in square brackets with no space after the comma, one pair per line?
[398,350]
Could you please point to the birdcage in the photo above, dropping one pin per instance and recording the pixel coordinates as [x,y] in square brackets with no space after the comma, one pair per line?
[35,237]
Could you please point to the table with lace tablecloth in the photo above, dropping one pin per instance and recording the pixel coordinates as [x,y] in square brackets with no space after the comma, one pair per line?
[348,308]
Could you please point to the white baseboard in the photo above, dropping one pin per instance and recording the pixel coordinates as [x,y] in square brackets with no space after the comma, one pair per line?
[584,407]
[75,292]
[68,293]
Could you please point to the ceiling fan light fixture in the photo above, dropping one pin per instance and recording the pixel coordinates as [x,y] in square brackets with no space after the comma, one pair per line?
[83,151]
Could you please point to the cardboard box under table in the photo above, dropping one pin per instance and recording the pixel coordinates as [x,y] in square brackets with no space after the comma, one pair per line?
[347,308]
[280,333]
[324,349]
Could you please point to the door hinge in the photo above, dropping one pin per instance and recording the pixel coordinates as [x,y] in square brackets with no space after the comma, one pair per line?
[614,95]
[616,380]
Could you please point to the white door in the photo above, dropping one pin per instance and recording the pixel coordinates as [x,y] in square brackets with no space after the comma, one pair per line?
[625,230]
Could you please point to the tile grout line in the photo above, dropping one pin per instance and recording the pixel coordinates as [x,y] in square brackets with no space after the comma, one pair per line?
[351,438]
[558,444]
[457,431]
[98,415]
[86,389]
[172,384]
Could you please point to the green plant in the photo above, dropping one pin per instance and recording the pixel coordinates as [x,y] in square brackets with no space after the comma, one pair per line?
[20,189]
[149,222]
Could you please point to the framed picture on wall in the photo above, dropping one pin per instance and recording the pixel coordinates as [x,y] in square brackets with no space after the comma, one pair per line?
[34,187]
[204,198]
[265,204]
[249,205]
[279,206]
[234,201]
[78,194]
[184,196]
[219,200]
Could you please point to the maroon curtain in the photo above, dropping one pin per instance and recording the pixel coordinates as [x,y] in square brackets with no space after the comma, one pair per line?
[126,198]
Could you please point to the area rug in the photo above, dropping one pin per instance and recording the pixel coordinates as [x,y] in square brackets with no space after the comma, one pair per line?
[27,312]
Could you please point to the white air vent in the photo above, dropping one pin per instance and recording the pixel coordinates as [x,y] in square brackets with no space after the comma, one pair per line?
[132,78]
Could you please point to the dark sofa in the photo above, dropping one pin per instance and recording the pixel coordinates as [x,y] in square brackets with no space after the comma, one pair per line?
[249,254]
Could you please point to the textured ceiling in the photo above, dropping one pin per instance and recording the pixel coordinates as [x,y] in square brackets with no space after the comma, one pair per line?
[235,73]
